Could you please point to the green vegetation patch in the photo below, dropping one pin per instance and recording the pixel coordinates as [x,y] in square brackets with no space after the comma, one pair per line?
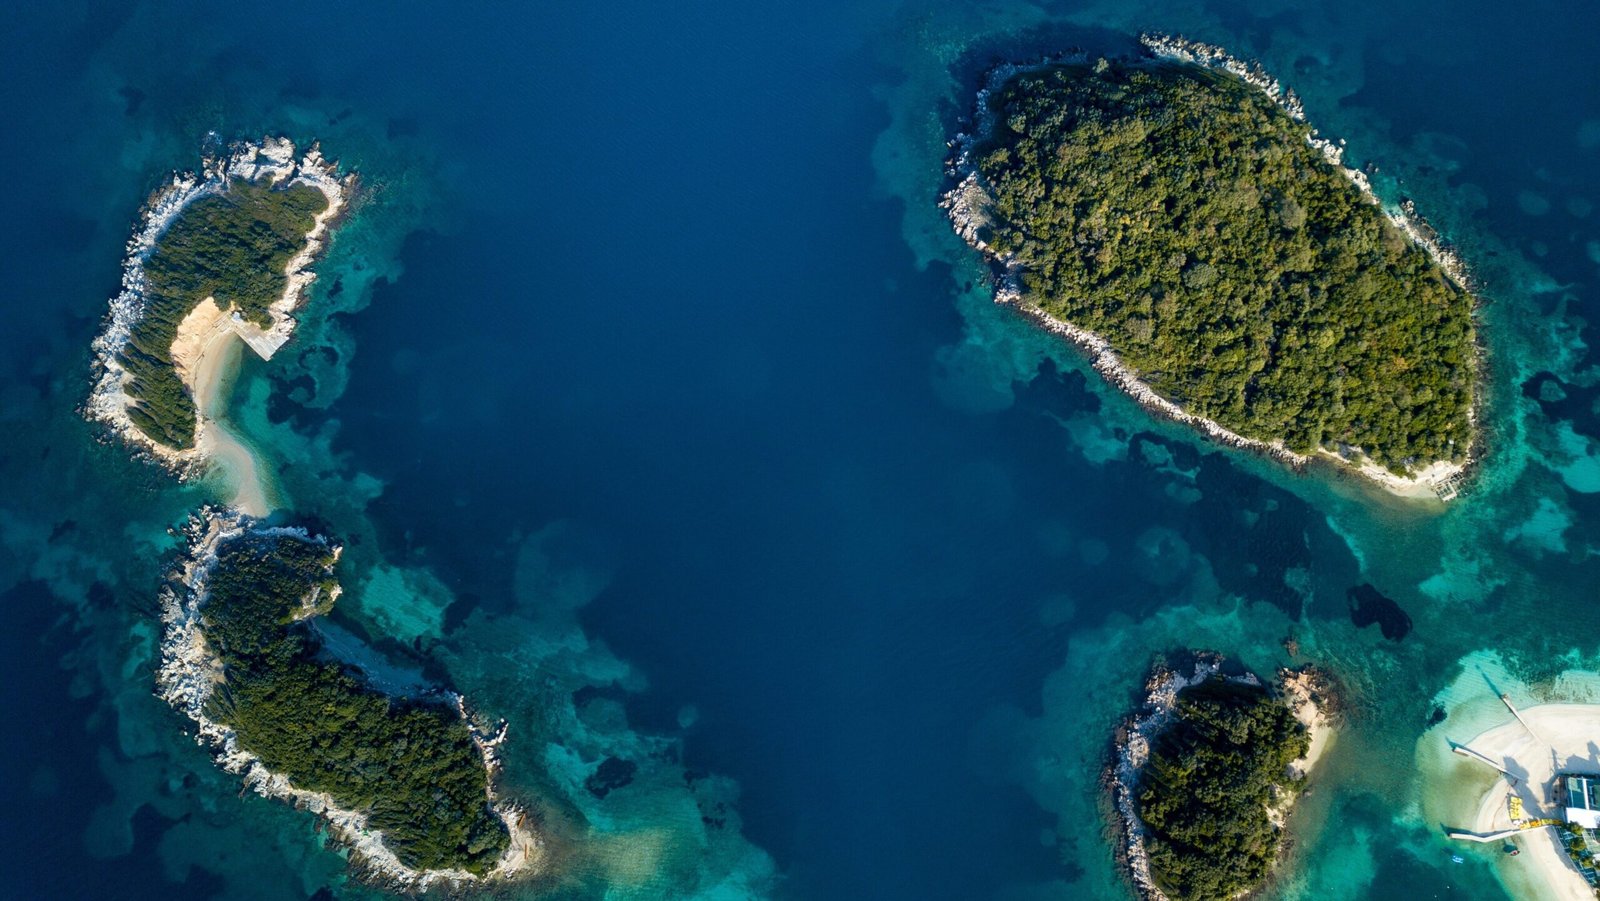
[1181,214]
[411,765]
[1205,789]
[232,246]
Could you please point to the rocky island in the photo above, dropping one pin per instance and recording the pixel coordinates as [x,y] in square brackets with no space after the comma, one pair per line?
[1176,217]
[1205,775]
[406,783]
[220,256]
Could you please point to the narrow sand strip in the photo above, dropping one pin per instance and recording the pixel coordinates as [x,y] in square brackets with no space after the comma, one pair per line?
[206,355]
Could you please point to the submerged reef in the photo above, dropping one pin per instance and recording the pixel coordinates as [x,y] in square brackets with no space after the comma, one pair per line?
[1205,775]
[407,783]
[1176,216]
[223,251]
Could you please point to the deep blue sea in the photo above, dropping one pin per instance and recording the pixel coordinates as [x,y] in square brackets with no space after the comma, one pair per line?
[662,415]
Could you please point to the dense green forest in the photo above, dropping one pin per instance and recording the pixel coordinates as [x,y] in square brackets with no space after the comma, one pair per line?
[1206,787]
[411,765]
[1182,215]
[232,246]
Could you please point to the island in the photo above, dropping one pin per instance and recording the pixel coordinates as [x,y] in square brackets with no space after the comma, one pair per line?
[1176,217]
[1206,772]
[220,257]
[406,783]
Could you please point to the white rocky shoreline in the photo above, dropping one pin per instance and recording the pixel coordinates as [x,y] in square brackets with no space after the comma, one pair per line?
[1307,691]
[272,160]
[966,204]
[189,672]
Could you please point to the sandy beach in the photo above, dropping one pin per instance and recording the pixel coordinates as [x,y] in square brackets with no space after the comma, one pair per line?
[1301,690]
[1564,737]
[205,354]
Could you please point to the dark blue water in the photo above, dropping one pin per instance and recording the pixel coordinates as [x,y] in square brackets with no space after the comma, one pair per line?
[647,304]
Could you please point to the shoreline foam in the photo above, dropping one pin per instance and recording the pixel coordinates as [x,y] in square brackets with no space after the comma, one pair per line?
[966,206]
[204,335]
[189,672]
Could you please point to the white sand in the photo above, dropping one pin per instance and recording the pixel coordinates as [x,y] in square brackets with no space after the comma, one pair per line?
[1566,738]
[1298,689]
[205,354]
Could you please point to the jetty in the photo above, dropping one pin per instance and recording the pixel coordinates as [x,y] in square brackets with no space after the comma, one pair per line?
[1470,754]
[1504,699]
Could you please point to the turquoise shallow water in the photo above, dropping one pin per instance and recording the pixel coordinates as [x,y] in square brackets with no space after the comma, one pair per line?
[661,414]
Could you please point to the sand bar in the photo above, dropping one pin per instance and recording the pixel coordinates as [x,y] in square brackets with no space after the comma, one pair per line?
[205,354]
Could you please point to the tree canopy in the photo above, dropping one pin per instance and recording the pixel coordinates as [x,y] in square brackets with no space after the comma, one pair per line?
[1206,787]
[233,246]
[1183,216]
[410,764]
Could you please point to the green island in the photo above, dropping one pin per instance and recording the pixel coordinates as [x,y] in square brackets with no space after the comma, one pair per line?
[410,765]
[233,246]
[1183,216]
[1205,792]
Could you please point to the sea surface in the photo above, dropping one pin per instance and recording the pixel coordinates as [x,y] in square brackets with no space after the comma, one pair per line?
[662,415]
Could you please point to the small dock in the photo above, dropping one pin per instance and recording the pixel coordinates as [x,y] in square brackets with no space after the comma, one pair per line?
[1467,752]
[1462,835]
[1449,488]
[1513,708]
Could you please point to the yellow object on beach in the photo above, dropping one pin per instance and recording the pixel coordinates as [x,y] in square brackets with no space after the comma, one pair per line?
[1516,809]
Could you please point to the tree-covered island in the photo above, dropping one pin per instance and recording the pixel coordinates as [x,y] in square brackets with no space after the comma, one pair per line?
[406,782]
[218,255]
[1207,772]
[411,765]
[1184,216]
[1212,775]
[232,246]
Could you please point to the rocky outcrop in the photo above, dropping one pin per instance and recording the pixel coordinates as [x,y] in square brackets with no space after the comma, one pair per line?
[1133,751]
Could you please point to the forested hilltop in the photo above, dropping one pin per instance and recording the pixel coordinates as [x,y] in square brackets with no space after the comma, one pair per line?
[1182,215]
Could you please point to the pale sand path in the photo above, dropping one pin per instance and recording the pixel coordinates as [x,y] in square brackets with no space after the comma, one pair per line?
[205,354]
[1568,739]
